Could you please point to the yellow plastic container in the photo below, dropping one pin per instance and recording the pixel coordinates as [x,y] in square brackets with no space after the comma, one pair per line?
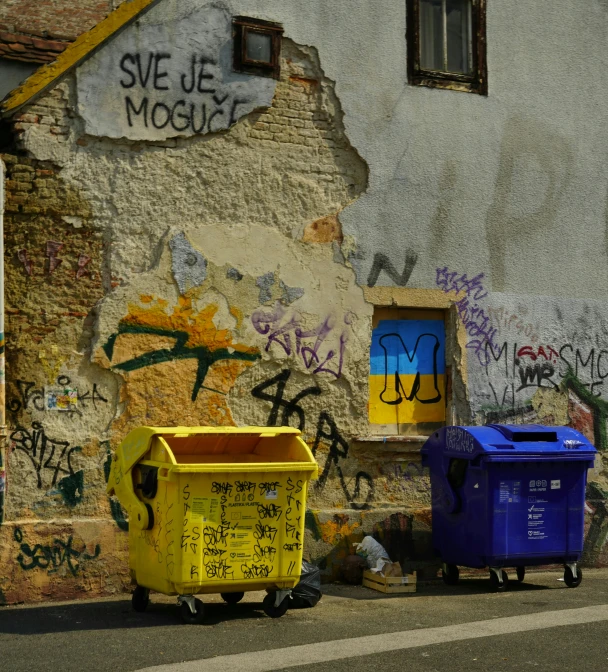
[213,510]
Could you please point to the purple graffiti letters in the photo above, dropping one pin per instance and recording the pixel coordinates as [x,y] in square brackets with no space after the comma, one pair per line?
[451,281]
[321,349]
[478,326]
[474,318]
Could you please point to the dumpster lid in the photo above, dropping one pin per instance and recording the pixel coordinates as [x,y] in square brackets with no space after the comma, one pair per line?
[521,433]
[209,440]
[512,443]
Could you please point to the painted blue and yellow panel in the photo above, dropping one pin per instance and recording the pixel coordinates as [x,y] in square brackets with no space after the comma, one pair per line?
[407,372]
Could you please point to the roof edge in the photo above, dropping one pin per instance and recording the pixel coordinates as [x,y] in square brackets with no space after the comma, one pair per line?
[77,52]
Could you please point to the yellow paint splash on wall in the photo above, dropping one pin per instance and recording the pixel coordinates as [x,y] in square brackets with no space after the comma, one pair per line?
[199,325]
[333,531]
[178,366]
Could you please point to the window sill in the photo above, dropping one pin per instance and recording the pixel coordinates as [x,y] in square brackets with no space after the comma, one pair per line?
[451,84]
[395,442]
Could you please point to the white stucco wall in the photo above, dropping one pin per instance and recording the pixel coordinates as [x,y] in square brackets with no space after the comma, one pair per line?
[450,171]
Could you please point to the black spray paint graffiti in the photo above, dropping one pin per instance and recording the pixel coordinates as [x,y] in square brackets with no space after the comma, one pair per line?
[215,539]
[535,367]
[217,112]
[52,457]
[289,408]
[338,450]
[327,433]
[394,395]
[54,556]
[321,349]
[383,263]
[31,397]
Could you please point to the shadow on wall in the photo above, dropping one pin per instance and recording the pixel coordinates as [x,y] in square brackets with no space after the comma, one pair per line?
[405,536]
[531,153]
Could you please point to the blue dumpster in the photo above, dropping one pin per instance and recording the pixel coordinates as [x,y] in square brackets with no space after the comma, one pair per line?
[508,496]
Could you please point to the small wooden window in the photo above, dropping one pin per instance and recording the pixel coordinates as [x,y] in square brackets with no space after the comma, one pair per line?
[257,47]
[447,44]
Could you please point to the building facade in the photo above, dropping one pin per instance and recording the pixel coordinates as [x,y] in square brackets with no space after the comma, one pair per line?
[363,221]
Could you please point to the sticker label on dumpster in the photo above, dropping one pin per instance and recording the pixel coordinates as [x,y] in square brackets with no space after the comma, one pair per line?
[556,485]
[239,544]
[272,494]
[207,507]
[509,492]
[538,485]
[536,521]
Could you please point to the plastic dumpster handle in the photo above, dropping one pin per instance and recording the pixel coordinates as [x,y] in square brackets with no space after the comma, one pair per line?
[452,503]
[120,482]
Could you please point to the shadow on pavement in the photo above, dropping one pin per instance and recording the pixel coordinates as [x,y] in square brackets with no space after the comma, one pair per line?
[113,615]
[466,586]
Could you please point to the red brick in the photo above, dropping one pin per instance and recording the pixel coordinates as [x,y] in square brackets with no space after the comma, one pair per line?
[48,45]
[15,46]
[55,46]
[13,37]
[27,118]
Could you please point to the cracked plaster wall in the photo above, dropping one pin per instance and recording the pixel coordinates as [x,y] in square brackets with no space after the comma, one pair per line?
[285,217]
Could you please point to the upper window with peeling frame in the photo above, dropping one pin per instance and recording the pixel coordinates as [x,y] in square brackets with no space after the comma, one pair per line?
[447,44]
[257,46]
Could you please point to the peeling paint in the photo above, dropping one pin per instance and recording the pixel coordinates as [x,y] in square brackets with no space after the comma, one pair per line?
[189,265]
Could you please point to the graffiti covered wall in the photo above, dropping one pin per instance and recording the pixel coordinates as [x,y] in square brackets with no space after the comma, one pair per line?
[187,245]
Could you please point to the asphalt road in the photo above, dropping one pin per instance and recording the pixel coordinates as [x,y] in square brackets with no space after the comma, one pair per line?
[439,628]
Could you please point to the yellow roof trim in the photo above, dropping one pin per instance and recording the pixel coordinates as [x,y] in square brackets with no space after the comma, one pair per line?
[40,80]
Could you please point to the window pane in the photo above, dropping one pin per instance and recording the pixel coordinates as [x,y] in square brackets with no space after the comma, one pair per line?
[259,46]
[459,31]
[431,35]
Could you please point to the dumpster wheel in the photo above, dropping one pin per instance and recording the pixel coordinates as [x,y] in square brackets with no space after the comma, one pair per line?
[570,579]
[499,585]
[268,605]
[232,598]
[140,598]
[188,615]
[521,574]
[450,575]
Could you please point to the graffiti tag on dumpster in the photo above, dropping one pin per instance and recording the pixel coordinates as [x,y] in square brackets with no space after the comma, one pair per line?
[241,534]
[457,438]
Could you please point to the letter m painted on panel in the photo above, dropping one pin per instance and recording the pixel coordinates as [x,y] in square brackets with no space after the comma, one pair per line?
[407,372]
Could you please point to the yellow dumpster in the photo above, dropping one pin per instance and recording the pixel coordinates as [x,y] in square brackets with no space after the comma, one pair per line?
[214,510]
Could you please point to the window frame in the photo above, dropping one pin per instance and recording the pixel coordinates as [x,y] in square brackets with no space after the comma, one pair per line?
[241,26]
[477,82]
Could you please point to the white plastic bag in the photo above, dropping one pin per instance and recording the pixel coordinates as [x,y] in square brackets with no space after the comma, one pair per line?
[373,552]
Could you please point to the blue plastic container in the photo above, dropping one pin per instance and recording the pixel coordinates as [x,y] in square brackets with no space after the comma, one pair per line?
[508,496]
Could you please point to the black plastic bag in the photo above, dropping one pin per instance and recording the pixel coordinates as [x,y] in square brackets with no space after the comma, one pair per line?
[308,592]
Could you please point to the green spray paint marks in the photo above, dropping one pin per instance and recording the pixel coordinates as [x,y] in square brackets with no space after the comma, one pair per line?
[598,406]
[72,488]
[312,525]
[53,556]
[205,356]
[117,513]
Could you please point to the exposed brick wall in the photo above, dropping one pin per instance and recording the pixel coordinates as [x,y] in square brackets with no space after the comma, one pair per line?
[59,19]
[39,299]
[50,112]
